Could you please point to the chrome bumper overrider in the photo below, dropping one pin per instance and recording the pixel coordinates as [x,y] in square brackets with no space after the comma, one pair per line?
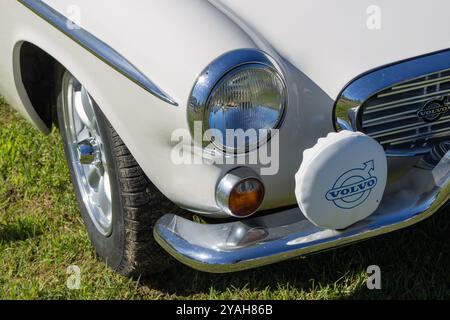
[234,246]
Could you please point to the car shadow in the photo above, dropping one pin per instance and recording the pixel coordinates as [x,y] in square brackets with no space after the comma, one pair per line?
[414,264]
[20,230]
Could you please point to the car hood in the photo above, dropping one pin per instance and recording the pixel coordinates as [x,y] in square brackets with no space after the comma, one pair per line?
[330,41]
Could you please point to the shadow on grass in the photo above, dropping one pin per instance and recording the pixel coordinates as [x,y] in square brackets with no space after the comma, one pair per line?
[19,230]
[415,264]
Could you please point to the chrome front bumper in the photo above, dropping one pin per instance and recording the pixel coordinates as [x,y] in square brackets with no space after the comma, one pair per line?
[416,190]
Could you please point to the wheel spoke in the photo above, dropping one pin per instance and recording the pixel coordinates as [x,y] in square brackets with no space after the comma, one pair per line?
[104,201]
[107,187]
[83,134]
[94,177]
[89,110]
[84,110]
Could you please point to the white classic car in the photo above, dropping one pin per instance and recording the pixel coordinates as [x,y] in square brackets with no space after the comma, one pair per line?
[234,134]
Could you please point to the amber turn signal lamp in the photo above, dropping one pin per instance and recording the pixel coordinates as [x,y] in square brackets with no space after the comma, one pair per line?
[246,197]
[240,193]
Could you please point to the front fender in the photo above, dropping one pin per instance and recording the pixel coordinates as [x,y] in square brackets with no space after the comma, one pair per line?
[168,41]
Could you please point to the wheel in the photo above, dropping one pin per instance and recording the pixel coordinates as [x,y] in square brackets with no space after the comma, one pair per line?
[118,203]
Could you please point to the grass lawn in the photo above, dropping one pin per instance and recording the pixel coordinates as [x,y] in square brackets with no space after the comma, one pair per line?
[41,234]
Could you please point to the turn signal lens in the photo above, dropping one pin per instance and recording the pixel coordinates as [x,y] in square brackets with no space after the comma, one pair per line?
[246,197]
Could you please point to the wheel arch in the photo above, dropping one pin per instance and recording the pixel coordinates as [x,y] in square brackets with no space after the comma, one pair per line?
[35,76]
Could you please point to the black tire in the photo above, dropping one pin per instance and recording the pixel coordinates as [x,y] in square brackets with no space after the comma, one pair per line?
[136,206]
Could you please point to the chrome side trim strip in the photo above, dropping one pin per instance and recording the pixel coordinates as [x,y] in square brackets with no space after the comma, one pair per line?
[96,46]
[373,82]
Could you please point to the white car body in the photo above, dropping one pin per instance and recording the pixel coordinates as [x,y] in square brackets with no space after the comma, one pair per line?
[321,46]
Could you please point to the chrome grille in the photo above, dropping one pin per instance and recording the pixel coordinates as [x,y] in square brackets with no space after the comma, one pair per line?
[409,115]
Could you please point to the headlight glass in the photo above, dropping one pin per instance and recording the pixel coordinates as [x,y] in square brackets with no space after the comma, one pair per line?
[251,97]
[237,100]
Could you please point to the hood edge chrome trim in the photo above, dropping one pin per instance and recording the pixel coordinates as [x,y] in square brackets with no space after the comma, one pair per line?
[96,47]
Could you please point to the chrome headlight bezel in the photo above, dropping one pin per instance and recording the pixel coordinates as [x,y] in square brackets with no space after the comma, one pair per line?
[214,73]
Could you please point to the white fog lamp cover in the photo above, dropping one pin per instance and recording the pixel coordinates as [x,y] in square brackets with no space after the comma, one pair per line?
[341,180]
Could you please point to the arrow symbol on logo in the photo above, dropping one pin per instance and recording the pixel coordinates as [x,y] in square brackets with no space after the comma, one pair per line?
[369,166]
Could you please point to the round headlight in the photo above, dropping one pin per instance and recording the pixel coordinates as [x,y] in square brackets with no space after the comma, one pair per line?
[251,97]
[238,100]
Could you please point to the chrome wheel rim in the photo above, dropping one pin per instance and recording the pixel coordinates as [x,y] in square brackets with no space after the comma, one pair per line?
[87,154]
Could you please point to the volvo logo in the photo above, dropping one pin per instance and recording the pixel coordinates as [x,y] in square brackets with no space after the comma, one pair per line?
[433,110]
[353,187]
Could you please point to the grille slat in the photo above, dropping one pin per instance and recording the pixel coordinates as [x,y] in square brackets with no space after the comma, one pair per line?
[407,101]
[439,133]
[411,114]
[401,89]
[390,118]
[389,132]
